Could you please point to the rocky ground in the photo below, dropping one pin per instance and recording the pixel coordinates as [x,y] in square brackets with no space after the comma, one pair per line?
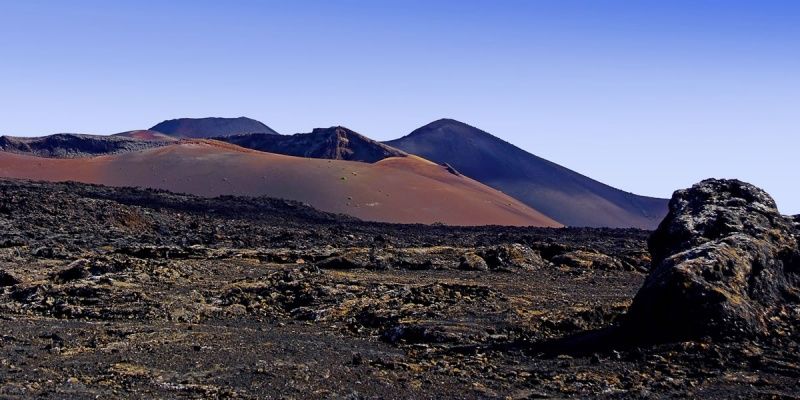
[124,293]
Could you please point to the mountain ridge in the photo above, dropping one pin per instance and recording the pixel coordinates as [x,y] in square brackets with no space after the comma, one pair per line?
[75,145]
[564,195]
[335,143]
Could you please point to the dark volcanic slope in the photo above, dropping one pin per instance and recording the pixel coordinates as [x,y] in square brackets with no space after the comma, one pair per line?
[211,127]
[69,145]
[337,143]
[565,195]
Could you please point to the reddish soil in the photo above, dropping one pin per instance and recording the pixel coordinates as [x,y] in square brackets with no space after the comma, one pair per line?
[147,135]
[402,190]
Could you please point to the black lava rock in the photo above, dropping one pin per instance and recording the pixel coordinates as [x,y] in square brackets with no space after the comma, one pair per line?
[725,265]
[7,279]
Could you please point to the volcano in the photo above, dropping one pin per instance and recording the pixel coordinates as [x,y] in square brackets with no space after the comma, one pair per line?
[560,193]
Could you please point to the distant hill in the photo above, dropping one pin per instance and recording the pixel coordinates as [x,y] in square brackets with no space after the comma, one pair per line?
[560,193]
[210,127]
[398,189]
[336,143]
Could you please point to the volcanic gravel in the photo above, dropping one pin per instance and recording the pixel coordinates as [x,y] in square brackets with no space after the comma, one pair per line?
[129,293]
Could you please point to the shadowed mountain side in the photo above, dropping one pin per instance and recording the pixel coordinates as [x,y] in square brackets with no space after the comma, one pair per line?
[336,143]
[210,127]
[558,192]
[404,190]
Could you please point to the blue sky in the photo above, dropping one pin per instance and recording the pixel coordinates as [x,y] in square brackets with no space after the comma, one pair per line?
[646,96]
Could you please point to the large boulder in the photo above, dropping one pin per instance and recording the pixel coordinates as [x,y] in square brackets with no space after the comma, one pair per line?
[725,265]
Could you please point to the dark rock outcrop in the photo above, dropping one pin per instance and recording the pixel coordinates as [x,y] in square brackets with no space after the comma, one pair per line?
[335,143]
[450,169]
[69,145]
[725,265]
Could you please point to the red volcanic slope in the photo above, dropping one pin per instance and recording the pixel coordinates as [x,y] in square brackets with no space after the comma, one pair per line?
[403,190]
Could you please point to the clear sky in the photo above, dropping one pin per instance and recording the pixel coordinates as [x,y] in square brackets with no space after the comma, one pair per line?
[648,96]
